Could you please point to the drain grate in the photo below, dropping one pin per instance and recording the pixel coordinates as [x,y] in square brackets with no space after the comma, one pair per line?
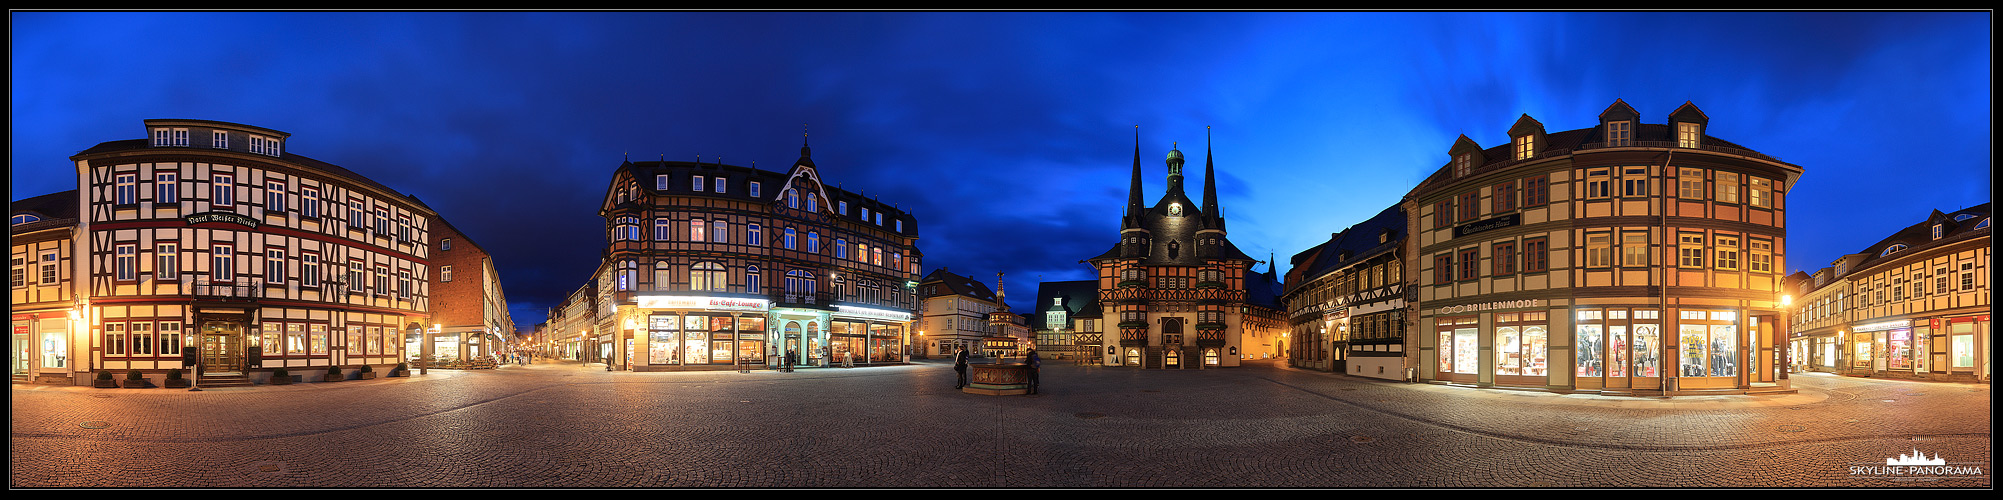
[1089,415]
[94,424]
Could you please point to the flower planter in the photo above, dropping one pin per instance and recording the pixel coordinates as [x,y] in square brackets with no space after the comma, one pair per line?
[281,380]
[105,384]
[368,375]
[135,384]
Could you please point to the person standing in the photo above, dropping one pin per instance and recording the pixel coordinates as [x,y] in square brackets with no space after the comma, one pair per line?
[1035,367]
[960,365]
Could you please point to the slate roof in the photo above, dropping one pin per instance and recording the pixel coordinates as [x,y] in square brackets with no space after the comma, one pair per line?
[1359,242]
[1569,141]
[957,285]
[335,170]
[771,182]
[55,209]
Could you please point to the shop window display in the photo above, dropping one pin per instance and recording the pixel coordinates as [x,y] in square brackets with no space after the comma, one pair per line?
[664,338]
[1898,349]
[1521,344]
[1591,345]
[696,335]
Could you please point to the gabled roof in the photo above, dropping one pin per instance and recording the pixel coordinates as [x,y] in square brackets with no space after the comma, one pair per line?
[1919,237]
[1526,125]
[955,284]
[1079,299]
[1619,110]
[1356,244]
[54,209]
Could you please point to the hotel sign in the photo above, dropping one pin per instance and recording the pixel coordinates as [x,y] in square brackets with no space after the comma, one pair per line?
[707,303]
[1498,222]
[228,217]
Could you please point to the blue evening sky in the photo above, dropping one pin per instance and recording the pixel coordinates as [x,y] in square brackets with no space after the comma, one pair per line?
[1010,135]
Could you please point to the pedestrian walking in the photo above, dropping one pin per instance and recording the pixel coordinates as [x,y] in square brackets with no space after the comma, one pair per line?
[848,359]
[790,354]
[960,365]
[1035,367]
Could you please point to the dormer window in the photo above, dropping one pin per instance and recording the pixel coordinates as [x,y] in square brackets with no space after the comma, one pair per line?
[175,137]
[696,183]
[754,189]
[219,139]
[1963,217]
[1687,135]
[22,219]
[1983,224]
[1524,146]
[1892,249]
[1619,134]
[660,182]
[1463,164]
[264,146]
[1938,229]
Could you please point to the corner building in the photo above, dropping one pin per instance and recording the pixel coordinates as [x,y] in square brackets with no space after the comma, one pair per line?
[210,242]
[1624,258]
[712,264]
[1181,294]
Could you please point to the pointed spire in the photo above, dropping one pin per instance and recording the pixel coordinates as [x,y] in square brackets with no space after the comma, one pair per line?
[1134,206]
[1209,179]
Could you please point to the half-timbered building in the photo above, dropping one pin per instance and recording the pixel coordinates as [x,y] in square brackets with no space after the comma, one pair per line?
[1183,296]
[1623,258]
[211,242]
[712,265]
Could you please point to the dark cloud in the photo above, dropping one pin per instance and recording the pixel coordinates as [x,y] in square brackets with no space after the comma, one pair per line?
[1009,135]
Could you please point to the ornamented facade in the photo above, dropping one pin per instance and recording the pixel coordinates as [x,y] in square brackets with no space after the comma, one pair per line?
[1180,293]
[711,265]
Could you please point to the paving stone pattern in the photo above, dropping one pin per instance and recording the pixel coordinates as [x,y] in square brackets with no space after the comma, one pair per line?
[565,425]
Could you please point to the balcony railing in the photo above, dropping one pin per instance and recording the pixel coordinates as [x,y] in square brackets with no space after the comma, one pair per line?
[243,290]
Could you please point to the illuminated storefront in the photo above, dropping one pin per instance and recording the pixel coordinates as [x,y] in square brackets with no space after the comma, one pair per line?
[1568,262]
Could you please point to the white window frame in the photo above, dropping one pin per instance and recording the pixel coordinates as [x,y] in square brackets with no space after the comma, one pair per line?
[274,266]
[167,261]
[125,189]
[223,190]
[696,183]
[1619,133]
[126,266]
[755,185]
[753,235]
[219,139]
[274,196]
[309,202]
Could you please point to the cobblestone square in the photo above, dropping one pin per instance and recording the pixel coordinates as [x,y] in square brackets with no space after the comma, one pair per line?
[565,425]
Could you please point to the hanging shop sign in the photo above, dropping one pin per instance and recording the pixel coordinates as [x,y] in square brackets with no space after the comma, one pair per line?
[1497,222]
[700,302]
[227,217]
